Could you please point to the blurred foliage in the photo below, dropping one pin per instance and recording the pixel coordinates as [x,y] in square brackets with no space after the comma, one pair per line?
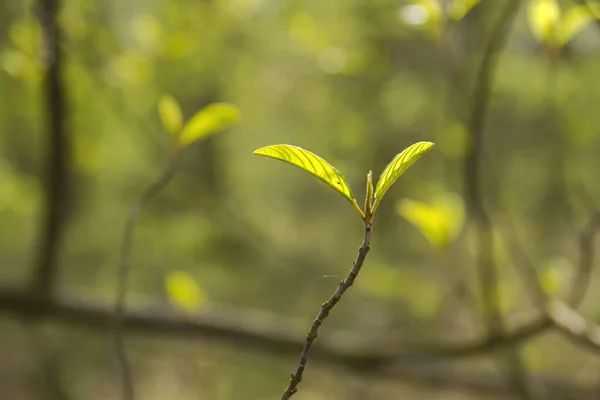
[440,222]
[184,292]
[356,81]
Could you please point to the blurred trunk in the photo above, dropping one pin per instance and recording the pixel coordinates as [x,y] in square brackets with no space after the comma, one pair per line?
[56,169]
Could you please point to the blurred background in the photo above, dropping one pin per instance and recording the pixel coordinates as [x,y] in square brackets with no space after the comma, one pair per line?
[233,258]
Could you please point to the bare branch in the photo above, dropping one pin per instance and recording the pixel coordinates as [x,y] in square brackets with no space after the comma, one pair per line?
[123,277]
[324,313]
[570,323]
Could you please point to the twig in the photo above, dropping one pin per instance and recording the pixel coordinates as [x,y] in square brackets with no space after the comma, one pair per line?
[586,260]
[56,178]
[485,240]
[574,326]
[325,309]
[123,276]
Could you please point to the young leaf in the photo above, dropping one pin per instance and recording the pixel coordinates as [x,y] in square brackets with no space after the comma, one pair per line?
[439,221]
[212,118]
[369,196]
[397,166]
[184,292]
[543,17]
[312,164]
[170,114]
[460,8]
[574,21]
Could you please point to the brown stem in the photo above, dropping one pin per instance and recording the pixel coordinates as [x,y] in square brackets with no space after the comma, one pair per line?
[324,313]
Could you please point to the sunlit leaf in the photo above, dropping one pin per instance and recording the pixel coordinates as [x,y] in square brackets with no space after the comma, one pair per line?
[397,166]
[554,275]
[543,17]
[369,196]
[184,292]
[460,8]
[312,164]
[424,15]
[170,114]
[439,221]
[594,9]
[212,118]
[574,21]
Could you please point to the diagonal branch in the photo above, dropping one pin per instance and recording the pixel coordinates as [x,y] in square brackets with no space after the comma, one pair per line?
[574,326]
[324,313]
[124,273]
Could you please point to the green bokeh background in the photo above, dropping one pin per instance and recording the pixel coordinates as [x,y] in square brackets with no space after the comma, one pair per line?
[350,80]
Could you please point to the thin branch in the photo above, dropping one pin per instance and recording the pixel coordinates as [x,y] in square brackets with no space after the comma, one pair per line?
[124,277]
[325,310]
[572,324]
[586,261]
[56,174]
[473,193]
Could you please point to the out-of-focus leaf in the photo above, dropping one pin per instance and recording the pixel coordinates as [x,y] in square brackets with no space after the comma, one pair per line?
[183,291]
[311,163]
[170,114]
[573,22]
[397,166]
[552,278]
[543,17]
[439,221]
[533,355]
[460,8]
[424,15]
[212,118]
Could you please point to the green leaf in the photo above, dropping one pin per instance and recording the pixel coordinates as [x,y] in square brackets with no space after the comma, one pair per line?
[553,276]
[313,164]
[460,8]
[574,21]
[170,114]
[212,118]
[543,17]
[369,196]
[397,166]
[184,292]
[439,221]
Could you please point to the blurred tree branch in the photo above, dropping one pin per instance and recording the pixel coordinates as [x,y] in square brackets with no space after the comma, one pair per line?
[259,331]
[479,108]
[124,273]
[56,169]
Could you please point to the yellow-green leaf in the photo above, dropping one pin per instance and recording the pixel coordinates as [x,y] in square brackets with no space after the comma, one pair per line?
[439,221]
[553,276]
[397,166]
[460,8]
[369,196]
[184,292]
[574,21]
[543,17]
[311,163]
[170,114]
[212,118]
